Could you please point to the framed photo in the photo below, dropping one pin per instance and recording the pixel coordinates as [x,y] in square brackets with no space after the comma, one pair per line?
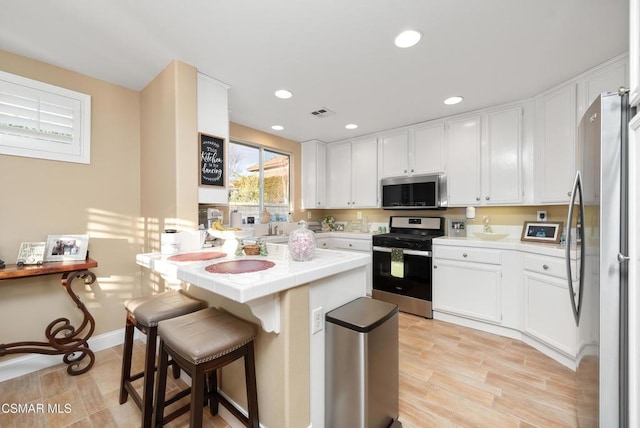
[545,231]
[211,160]
[31,253]
[66,247]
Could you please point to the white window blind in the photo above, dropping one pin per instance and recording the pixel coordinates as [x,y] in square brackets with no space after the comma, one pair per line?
[43,121]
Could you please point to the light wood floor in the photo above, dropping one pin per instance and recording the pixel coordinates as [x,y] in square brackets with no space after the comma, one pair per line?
[450,376]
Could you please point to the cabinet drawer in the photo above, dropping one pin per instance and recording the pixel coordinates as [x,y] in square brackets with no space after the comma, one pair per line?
[477,255]
[553,266]
[354,245]
[323,243]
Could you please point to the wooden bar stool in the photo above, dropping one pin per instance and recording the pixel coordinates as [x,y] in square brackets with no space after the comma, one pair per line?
[144,313]
[201,343]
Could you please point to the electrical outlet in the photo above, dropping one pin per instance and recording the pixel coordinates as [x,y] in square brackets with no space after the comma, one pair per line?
[317,320]
[541,216]
[359,215]
[308,215]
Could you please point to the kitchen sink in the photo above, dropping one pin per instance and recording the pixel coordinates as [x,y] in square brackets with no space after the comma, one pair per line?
[490,236]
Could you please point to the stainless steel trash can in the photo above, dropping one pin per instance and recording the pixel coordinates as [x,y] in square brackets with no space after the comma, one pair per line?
[361,365]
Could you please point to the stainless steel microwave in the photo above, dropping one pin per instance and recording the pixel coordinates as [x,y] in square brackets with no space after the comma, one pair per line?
[419,192]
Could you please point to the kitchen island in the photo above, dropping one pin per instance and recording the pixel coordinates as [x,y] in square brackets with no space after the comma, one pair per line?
[284,299]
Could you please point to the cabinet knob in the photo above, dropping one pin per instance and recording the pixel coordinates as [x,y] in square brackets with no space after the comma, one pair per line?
[477,198]
[435,266]
[350,245]
[405,171]
[545,267]
[487,198]
[568,193]
[412,170]
[464,254]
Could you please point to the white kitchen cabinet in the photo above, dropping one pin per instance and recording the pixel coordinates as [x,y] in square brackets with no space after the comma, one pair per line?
[467,282]
[463,162]
[555,148]
[314,170]
[502,168]
[484,166]
[394,154]
[427,148]
[352,174]
[608,77]
[547,313]
[351,244]
[417,150]
[324,243]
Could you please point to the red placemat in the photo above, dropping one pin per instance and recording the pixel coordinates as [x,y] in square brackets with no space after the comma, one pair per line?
[197,257]
[240,266]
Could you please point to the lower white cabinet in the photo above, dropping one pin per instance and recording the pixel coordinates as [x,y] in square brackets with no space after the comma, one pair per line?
[323,243]
[468,282]
[547,313]
[351,244]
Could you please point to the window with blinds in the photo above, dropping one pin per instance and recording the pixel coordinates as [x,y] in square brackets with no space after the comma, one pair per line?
[43,121]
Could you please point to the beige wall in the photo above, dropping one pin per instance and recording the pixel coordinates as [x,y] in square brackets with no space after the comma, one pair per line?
[509,216]
[169,146]
[42,197]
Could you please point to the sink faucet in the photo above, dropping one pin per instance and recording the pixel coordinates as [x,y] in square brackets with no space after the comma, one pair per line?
[273,229]
[487,227]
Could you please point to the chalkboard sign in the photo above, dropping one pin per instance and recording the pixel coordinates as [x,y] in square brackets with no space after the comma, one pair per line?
[211,160]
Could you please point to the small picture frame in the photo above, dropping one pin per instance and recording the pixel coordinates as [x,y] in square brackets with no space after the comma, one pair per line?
[542,231]
[66,247]
[31,253]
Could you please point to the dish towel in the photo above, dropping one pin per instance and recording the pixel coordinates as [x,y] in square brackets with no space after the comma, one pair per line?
[397,263]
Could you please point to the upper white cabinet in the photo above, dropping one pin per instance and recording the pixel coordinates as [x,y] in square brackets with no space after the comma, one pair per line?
[427,148]
[394,154]
[485,158]
[606,78]
[502,167]
[558,113]
[463,164]
[555,145]
[352,174]
[314,170]
[418,150]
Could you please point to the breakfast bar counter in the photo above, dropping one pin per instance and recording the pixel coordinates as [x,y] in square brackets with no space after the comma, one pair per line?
[289,299]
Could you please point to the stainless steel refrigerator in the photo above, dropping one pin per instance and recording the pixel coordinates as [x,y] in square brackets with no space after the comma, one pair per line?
[597,232]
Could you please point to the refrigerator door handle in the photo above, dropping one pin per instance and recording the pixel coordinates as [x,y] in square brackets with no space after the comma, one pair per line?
[622,258]
[577,188]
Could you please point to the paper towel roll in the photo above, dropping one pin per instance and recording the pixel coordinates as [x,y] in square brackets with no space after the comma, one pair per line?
[235,219]
[170,238]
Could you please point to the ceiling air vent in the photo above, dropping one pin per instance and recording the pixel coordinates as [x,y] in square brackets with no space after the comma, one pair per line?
[322,112]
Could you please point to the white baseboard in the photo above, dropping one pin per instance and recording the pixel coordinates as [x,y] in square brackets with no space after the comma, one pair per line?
[33,362]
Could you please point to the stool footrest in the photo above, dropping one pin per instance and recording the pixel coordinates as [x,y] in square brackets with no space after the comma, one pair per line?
[231,408]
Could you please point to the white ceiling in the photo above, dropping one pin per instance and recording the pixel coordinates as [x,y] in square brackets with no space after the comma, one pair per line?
[337,54]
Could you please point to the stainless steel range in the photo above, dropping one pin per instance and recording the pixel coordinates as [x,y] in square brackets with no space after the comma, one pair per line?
[402,261]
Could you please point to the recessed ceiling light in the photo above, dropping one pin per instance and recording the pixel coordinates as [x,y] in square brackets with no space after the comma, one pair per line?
[408,38]
[453,100]
[351,126]
[277,127]
[284,94]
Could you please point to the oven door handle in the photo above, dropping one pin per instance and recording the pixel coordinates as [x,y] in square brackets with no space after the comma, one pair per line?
[407,252]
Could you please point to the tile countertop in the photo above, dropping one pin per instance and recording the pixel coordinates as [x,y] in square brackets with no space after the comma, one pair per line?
[245,287]
[510,242]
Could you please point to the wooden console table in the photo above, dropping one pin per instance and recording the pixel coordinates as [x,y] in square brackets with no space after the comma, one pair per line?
[63,338]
